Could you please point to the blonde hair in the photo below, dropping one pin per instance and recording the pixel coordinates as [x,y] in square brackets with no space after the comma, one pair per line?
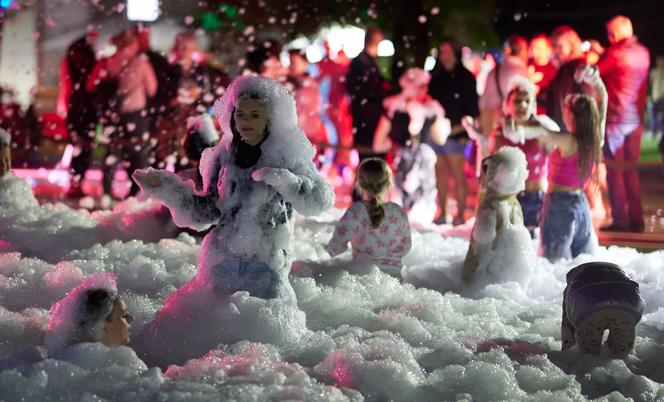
[374,179]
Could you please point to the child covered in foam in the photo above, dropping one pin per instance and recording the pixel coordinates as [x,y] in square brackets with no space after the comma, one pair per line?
[500,247]
[91,312]
[599,297]
[519,111]
[378,231]
[253,179]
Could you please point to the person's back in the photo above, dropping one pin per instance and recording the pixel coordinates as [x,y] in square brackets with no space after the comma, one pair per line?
[384,245]
[624,69]
[563,84]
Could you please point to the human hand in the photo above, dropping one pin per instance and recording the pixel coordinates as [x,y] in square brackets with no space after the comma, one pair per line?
[468,124]
[277,178]
[586,74]
[147,178]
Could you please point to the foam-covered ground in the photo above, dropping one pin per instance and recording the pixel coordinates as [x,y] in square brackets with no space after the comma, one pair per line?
[351,337]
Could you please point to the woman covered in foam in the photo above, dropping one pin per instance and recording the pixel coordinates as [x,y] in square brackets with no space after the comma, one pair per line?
[259,172]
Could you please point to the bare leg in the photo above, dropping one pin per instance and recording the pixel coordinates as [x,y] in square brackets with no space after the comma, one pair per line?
[456,162]
[441,185]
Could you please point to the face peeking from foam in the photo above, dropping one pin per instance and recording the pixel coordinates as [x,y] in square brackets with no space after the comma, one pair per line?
[250,121]
[116,327]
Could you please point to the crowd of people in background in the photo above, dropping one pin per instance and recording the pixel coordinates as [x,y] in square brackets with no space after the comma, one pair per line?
[136,102]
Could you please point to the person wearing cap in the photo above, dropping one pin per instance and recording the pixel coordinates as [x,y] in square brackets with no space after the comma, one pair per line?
[412,120]
[600,296]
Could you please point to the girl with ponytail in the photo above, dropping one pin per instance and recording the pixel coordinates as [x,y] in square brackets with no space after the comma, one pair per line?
[378,230]
[566,225]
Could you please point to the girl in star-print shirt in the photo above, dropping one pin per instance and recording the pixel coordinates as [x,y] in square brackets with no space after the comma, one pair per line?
[377,230]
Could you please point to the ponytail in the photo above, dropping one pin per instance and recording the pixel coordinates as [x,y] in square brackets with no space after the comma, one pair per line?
[374,179]
[376,211]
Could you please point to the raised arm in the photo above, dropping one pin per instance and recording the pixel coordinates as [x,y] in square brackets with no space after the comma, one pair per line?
[382,142]
[149,77]
[189,209]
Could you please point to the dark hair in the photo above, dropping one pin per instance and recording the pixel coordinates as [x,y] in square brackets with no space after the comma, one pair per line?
[374,177]
[587,132]
[544,36]
[96,305]
[370,34]
[194,144]
[516,44]
[262,52]
[297,52]
[454,44]
[562,30]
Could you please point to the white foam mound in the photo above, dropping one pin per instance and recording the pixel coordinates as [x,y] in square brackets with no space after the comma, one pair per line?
[351,336]
[195,320]
[51,231]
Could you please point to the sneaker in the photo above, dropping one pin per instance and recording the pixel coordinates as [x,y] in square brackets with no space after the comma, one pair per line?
[637,227]
[458,220]
[615,227]
[441,220]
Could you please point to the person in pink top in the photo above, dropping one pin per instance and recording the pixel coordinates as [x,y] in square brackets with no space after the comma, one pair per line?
[378,231]
[498,81]
[520,108]
[566,224]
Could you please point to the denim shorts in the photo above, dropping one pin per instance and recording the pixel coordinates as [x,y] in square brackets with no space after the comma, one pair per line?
[453,146]
[566,226]
[531,206]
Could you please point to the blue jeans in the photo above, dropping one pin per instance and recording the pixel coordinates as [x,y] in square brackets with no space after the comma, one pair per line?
[531,206]
[566,227]
[257,278]
[621,153]
[453,146]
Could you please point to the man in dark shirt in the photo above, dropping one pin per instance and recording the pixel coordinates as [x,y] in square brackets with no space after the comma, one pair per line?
[567,47]
[81,114]
[624,68]
[367,89]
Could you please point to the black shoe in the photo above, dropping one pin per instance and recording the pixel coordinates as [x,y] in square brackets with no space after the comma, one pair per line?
[637,227]
[614,227]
